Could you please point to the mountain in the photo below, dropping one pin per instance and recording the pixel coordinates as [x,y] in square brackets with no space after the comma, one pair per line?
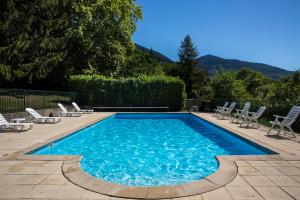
[158,56]
[213,63]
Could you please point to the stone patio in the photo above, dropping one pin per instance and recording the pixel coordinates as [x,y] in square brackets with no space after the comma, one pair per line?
[258,177]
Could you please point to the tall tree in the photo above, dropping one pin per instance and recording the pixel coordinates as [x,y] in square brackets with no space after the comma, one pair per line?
[195,79]
[42,41]
[33,43]
[103,30]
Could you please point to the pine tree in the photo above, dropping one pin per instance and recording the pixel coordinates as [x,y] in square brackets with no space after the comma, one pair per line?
[196,79]
[33,43]
[187,54]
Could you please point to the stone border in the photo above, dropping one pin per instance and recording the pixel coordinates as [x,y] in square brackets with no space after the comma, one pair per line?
[226,173]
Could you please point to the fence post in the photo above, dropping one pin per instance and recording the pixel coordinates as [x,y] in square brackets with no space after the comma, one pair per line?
[24,100]
[44,100]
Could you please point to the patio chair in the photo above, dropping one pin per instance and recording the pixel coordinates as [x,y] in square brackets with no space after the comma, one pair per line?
[286,121]
[65,112]
[252,117]
[220,109]
[40,119]
[240,114]
[80,110]
[4,125]
[226,113]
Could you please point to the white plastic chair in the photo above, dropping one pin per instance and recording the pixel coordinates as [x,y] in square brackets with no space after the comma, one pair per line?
[65,112]
[252,117]
[80,110]
[40,119]
[240,114]
[226,113]
[4,125]
[220,109]
[286,121]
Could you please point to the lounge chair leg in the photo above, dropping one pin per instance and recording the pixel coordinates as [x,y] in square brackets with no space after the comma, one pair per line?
[280,129]
[270,129]
[292,131]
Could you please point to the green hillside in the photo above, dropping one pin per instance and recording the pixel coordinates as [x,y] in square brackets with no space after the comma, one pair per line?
[213,63]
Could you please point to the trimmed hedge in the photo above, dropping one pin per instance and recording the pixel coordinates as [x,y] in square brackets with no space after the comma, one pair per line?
[143,91]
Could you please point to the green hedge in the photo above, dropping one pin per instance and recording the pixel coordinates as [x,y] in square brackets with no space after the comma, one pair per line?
[146,91]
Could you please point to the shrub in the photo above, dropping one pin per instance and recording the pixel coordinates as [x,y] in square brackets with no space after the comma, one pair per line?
[145,91]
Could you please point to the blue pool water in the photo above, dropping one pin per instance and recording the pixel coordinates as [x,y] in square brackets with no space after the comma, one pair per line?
[151,149]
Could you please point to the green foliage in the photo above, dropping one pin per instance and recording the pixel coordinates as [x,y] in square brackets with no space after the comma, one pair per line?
[286,89]
[226,86]
[33,43]
[101,33]
[246,84]
[141,63]
[98,90]
[253,80]
[44,41]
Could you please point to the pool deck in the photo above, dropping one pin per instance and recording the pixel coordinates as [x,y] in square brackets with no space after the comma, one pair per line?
[239,177]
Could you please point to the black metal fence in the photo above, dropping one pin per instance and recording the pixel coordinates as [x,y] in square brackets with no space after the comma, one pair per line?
[16,100]
[274,107]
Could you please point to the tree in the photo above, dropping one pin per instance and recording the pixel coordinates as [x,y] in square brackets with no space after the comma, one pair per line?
[141,63]
[195,79]
[253,80]
[226,86]
[33,42]
[103,30]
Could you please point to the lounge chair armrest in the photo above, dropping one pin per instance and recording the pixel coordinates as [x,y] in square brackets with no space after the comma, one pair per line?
[251,113]
[238,111]
[278,116]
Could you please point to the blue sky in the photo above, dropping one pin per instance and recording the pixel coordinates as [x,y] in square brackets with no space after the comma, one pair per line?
[266,31]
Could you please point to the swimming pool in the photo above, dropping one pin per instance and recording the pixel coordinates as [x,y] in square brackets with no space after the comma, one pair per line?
[151,149]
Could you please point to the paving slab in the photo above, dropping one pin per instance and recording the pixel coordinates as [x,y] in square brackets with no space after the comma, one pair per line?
[258,181]
[293,191]
[283,181]
[290,170]
[220,192]
[241,163]
[248,171]
[238,182]
[269,171]
[22,179]
[273,193]
[54,179]
[279,163]
[247,193]
[259,163]
[295,163]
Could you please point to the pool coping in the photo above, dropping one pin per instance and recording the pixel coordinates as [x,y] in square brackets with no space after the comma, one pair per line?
[226,173]
[71,169]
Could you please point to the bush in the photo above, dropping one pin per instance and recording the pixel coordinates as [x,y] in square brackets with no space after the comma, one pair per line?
[144,91]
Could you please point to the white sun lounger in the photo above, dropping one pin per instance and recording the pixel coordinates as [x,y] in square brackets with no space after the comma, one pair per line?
[80,110]
[252,117]
[220,109]
[65,112]
[40,119]
[240,114]
[226,113]
[286,121]
[4,125]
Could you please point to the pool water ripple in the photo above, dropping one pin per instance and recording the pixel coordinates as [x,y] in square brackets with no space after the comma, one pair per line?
[151,149]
